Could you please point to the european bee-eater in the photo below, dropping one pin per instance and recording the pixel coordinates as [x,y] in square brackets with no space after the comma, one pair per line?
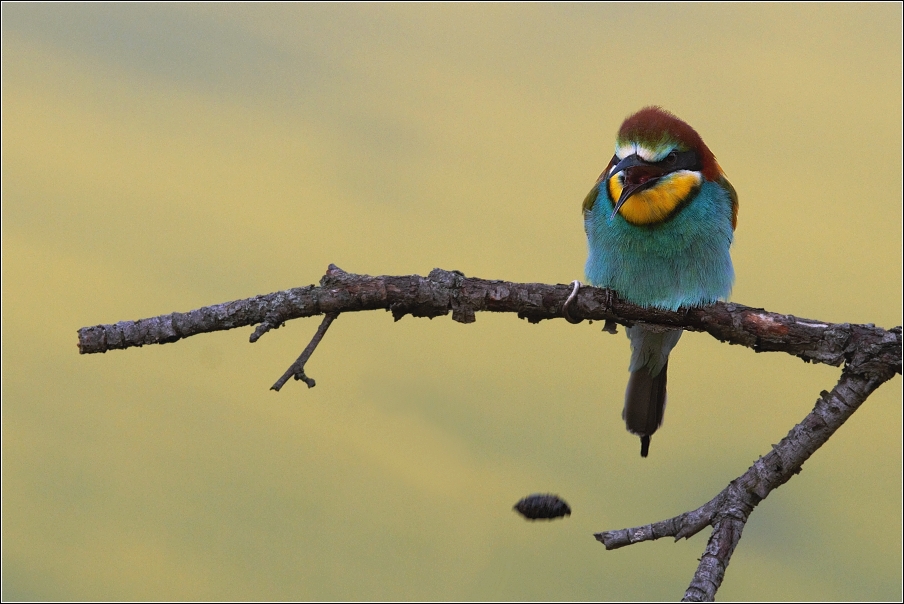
[659,223]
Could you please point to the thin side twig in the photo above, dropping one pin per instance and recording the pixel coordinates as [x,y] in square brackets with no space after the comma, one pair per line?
[296,369]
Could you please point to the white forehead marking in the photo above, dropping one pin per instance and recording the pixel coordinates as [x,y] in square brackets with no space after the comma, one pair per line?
[634,149]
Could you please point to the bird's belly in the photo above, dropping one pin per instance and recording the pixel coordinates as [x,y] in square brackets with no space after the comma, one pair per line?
[685,272]
[670,281]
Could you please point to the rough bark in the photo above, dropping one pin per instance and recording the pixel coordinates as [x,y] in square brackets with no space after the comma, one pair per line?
[443,291]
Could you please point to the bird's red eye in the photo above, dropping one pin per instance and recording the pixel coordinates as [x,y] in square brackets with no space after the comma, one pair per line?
[671,158]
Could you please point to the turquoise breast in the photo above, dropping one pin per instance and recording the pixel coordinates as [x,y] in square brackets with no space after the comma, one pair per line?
[683,261]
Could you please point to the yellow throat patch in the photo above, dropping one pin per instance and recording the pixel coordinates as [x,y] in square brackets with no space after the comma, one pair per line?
[659,202]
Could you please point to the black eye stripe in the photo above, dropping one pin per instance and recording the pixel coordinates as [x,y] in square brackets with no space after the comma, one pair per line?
[683,160]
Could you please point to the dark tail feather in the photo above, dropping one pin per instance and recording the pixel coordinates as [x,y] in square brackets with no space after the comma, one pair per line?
[645,405]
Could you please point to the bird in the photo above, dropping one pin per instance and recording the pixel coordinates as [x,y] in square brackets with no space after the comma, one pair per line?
[659,222]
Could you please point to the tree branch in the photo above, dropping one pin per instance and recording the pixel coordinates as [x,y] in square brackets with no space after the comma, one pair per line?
[871,356]
[443,291]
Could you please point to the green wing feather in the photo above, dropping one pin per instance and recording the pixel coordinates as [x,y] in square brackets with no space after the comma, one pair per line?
[594,192]
[734,200]
[591,198]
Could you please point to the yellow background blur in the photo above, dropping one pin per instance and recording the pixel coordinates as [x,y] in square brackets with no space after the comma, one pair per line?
[165,157]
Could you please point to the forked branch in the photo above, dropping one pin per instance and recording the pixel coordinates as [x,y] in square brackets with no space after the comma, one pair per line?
[871,356]
[728,511]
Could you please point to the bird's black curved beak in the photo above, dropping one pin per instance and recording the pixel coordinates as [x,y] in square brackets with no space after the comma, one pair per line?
[629,188]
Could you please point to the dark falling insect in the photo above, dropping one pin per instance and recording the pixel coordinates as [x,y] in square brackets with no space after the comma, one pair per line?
[542,507]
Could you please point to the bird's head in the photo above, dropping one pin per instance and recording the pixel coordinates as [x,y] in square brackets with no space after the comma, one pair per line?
[660,162]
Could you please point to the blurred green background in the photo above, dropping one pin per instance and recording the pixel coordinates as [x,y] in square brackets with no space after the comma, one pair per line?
[164,157]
